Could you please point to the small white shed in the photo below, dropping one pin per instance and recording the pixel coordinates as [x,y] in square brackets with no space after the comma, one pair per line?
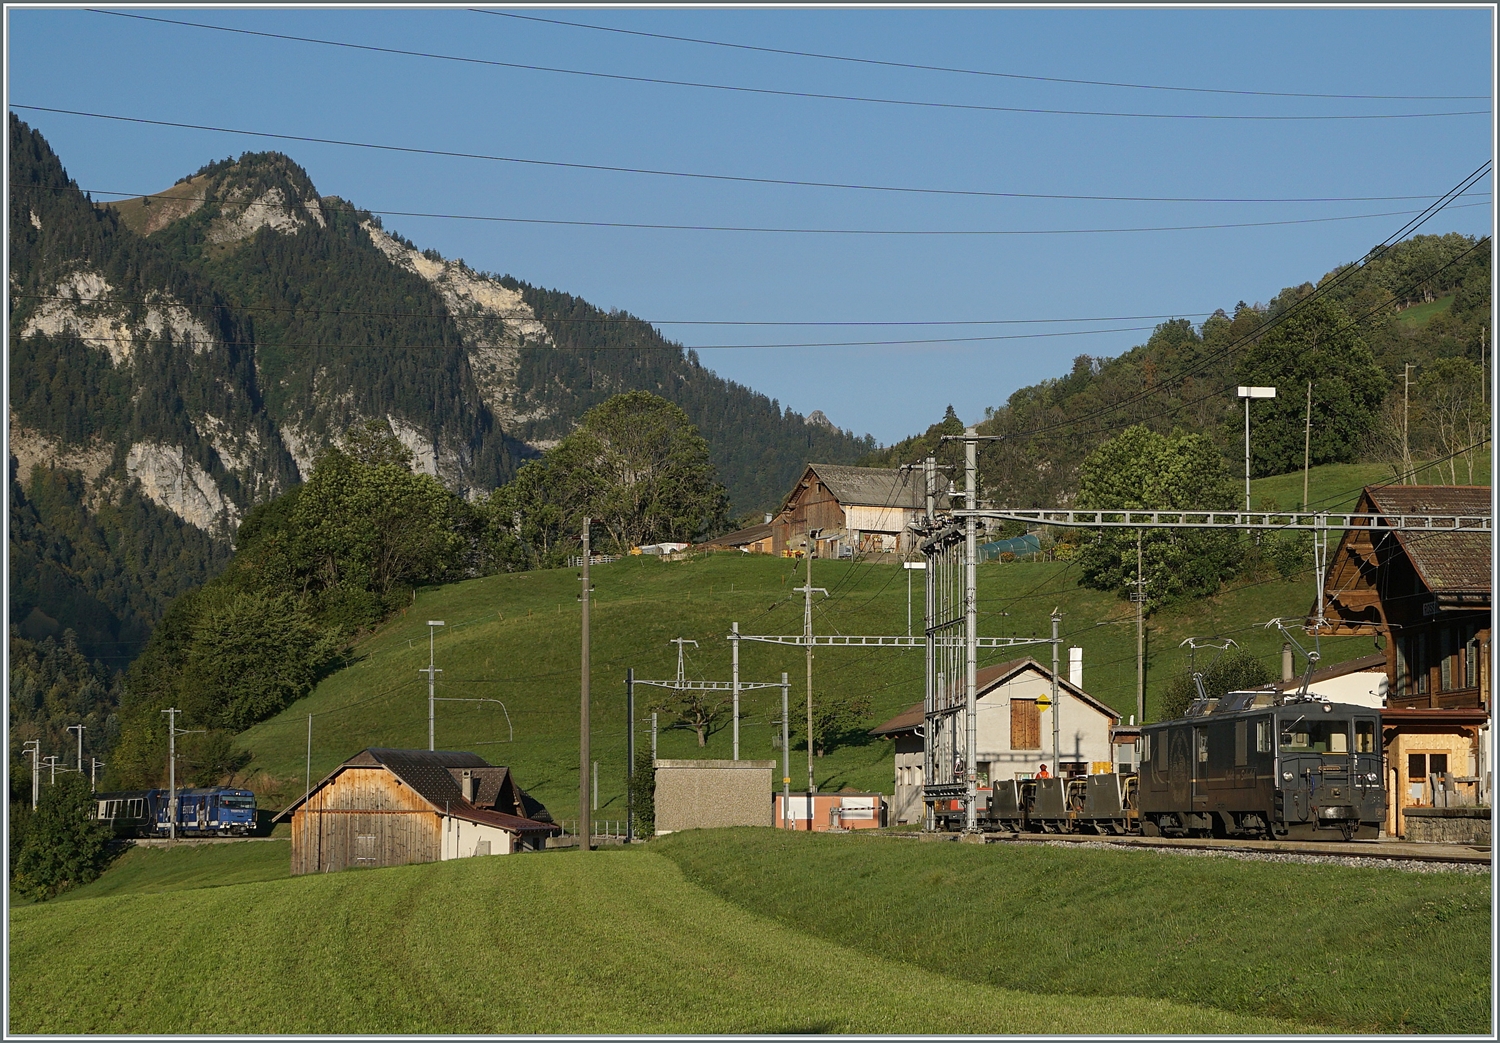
[1014,729]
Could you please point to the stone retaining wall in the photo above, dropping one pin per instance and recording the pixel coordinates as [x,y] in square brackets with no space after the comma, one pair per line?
[1447,825]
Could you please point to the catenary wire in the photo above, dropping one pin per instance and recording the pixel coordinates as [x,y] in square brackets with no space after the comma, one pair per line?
[803,95]
[528,161]
[985,72]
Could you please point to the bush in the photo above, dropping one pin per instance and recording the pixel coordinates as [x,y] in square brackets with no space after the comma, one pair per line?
[64,846]
[643,793]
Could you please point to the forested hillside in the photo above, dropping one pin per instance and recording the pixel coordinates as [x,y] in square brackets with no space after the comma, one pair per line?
[1425,301]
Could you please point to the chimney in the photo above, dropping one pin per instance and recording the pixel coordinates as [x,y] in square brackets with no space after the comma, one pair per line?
[466,785]
[768,517]
[1286,660]
[1075,667]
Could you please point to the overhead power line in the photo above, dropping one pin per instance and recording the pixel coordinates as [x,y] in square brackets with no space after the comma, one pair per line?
[1271,322]
[164,196]
[604,319]
[526,161]
[807,95]
[987,72]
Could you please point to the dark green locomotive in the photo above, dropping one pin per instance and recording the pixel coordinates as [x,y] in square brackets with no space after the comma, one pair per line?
[1244,766]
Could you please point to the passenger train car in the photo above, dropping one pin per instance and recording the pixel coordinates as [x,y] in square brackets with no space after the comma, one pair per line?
[1253,764]
[200,812]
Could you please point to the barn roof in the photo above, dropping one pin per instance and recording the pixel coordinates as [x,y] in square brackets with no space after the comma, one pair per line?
[740,537]
[873,486]
[1447,562]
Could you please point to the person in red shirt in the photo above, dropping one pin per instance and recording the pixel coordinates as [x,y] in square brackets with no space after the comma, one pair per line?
[1042,772]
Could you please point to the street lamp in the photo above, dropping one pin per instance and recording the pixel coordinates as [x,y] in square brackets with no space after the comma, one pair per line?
[1247,393]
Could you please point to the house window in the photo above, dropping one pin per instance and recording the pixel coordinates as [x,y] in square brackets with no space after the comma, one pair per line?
[1437,763]
[1416,765]
[1025,725]
[1449,656]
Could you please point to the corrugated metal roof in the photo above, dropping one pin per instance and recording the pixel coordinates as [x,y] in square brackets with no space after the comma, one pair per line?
[1370,663]
[873,486]
[739,537]
[1448,562]
[907,721]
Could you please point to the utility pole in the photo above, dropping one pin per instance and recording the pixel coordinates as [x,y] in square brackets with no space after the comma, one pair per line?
[33,748]
[585,817]
[1139,597]
[807,636]
[786,754]
[307,788]
[52,760]
[734,645]
[1405,427]
[1056,709]
[94,765]
[629,755]
[172,732]
[971,628]
[1306,444]
[653,737]
[79,729]
[432,671]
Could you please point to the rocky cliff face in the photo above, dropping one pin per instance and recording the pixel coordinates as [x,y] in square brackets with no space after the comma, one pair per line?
[184,356]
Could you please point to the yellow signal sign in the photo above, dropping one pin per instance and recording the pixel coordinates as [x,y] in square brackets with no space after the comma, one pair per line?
[1043,702]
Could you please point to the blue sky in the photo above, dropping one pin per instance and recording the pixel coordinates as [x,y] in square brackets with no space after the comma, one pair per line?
[100,63]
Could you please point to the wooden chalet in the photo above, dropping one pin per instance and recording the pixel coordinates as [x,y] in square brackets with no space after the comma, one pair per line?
[385,807]
[857,510]
[1426,598]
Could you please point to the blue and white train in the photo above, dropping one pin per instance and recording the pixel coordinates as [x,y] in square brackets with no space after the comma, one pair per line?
[216,812]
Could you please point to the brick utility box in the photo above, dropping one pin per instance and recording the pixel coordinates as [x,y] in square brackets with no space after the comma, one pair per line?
[708,794]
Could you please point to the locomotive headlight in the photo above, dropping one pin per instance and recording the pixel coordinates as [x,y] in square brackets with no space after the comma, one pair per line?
[1286,775]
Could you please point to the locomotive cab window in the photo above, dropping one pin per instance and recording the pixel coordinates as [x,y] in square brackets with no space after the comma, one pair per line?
[1316,737]
[1364,736]
[1263,735]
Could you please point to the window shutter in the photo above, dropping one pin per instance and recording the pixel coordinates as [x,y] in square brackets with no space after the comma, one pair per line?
[1025,725]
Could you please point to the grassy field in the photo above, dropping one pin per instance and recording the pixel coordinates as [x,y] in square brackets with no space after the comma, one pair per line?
[557,942]
[1327,944]
[1420,314]
[152,870]
[514,638]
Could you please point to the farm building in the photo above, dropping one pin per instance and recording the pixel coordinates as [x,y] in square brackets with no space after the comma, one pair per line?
[754,540]
[385,807]
[1426,598]
[1013,733]
[857,510]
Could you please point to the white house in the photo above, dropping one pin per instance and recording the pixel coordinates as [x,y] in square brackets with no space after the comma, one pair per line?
[1361,682]
[1013,732]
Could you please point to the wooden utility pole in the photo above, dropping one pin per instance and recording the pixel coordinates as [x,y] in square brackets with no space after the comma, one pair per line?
[629,755]
[1140,632]
[1306,444]
[1406,424]
[585,816]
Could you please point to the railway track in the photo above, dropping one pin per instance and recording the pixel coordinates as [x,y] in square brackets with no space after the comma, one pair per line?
[1383,850]
[1372,850]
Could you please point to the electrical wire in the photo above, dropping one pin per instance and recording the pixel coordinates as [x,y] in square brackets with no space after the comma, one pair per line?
[780,230]
[778,93]
[984,72]
[527,161]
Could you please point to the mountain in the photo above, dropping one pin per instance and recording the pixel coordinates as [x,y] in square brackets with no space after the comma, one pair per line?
[178,358]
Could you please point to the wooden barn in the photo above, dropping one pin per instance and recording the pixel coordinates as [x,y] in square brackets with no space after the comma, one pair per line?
[857,510]
[385,807]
